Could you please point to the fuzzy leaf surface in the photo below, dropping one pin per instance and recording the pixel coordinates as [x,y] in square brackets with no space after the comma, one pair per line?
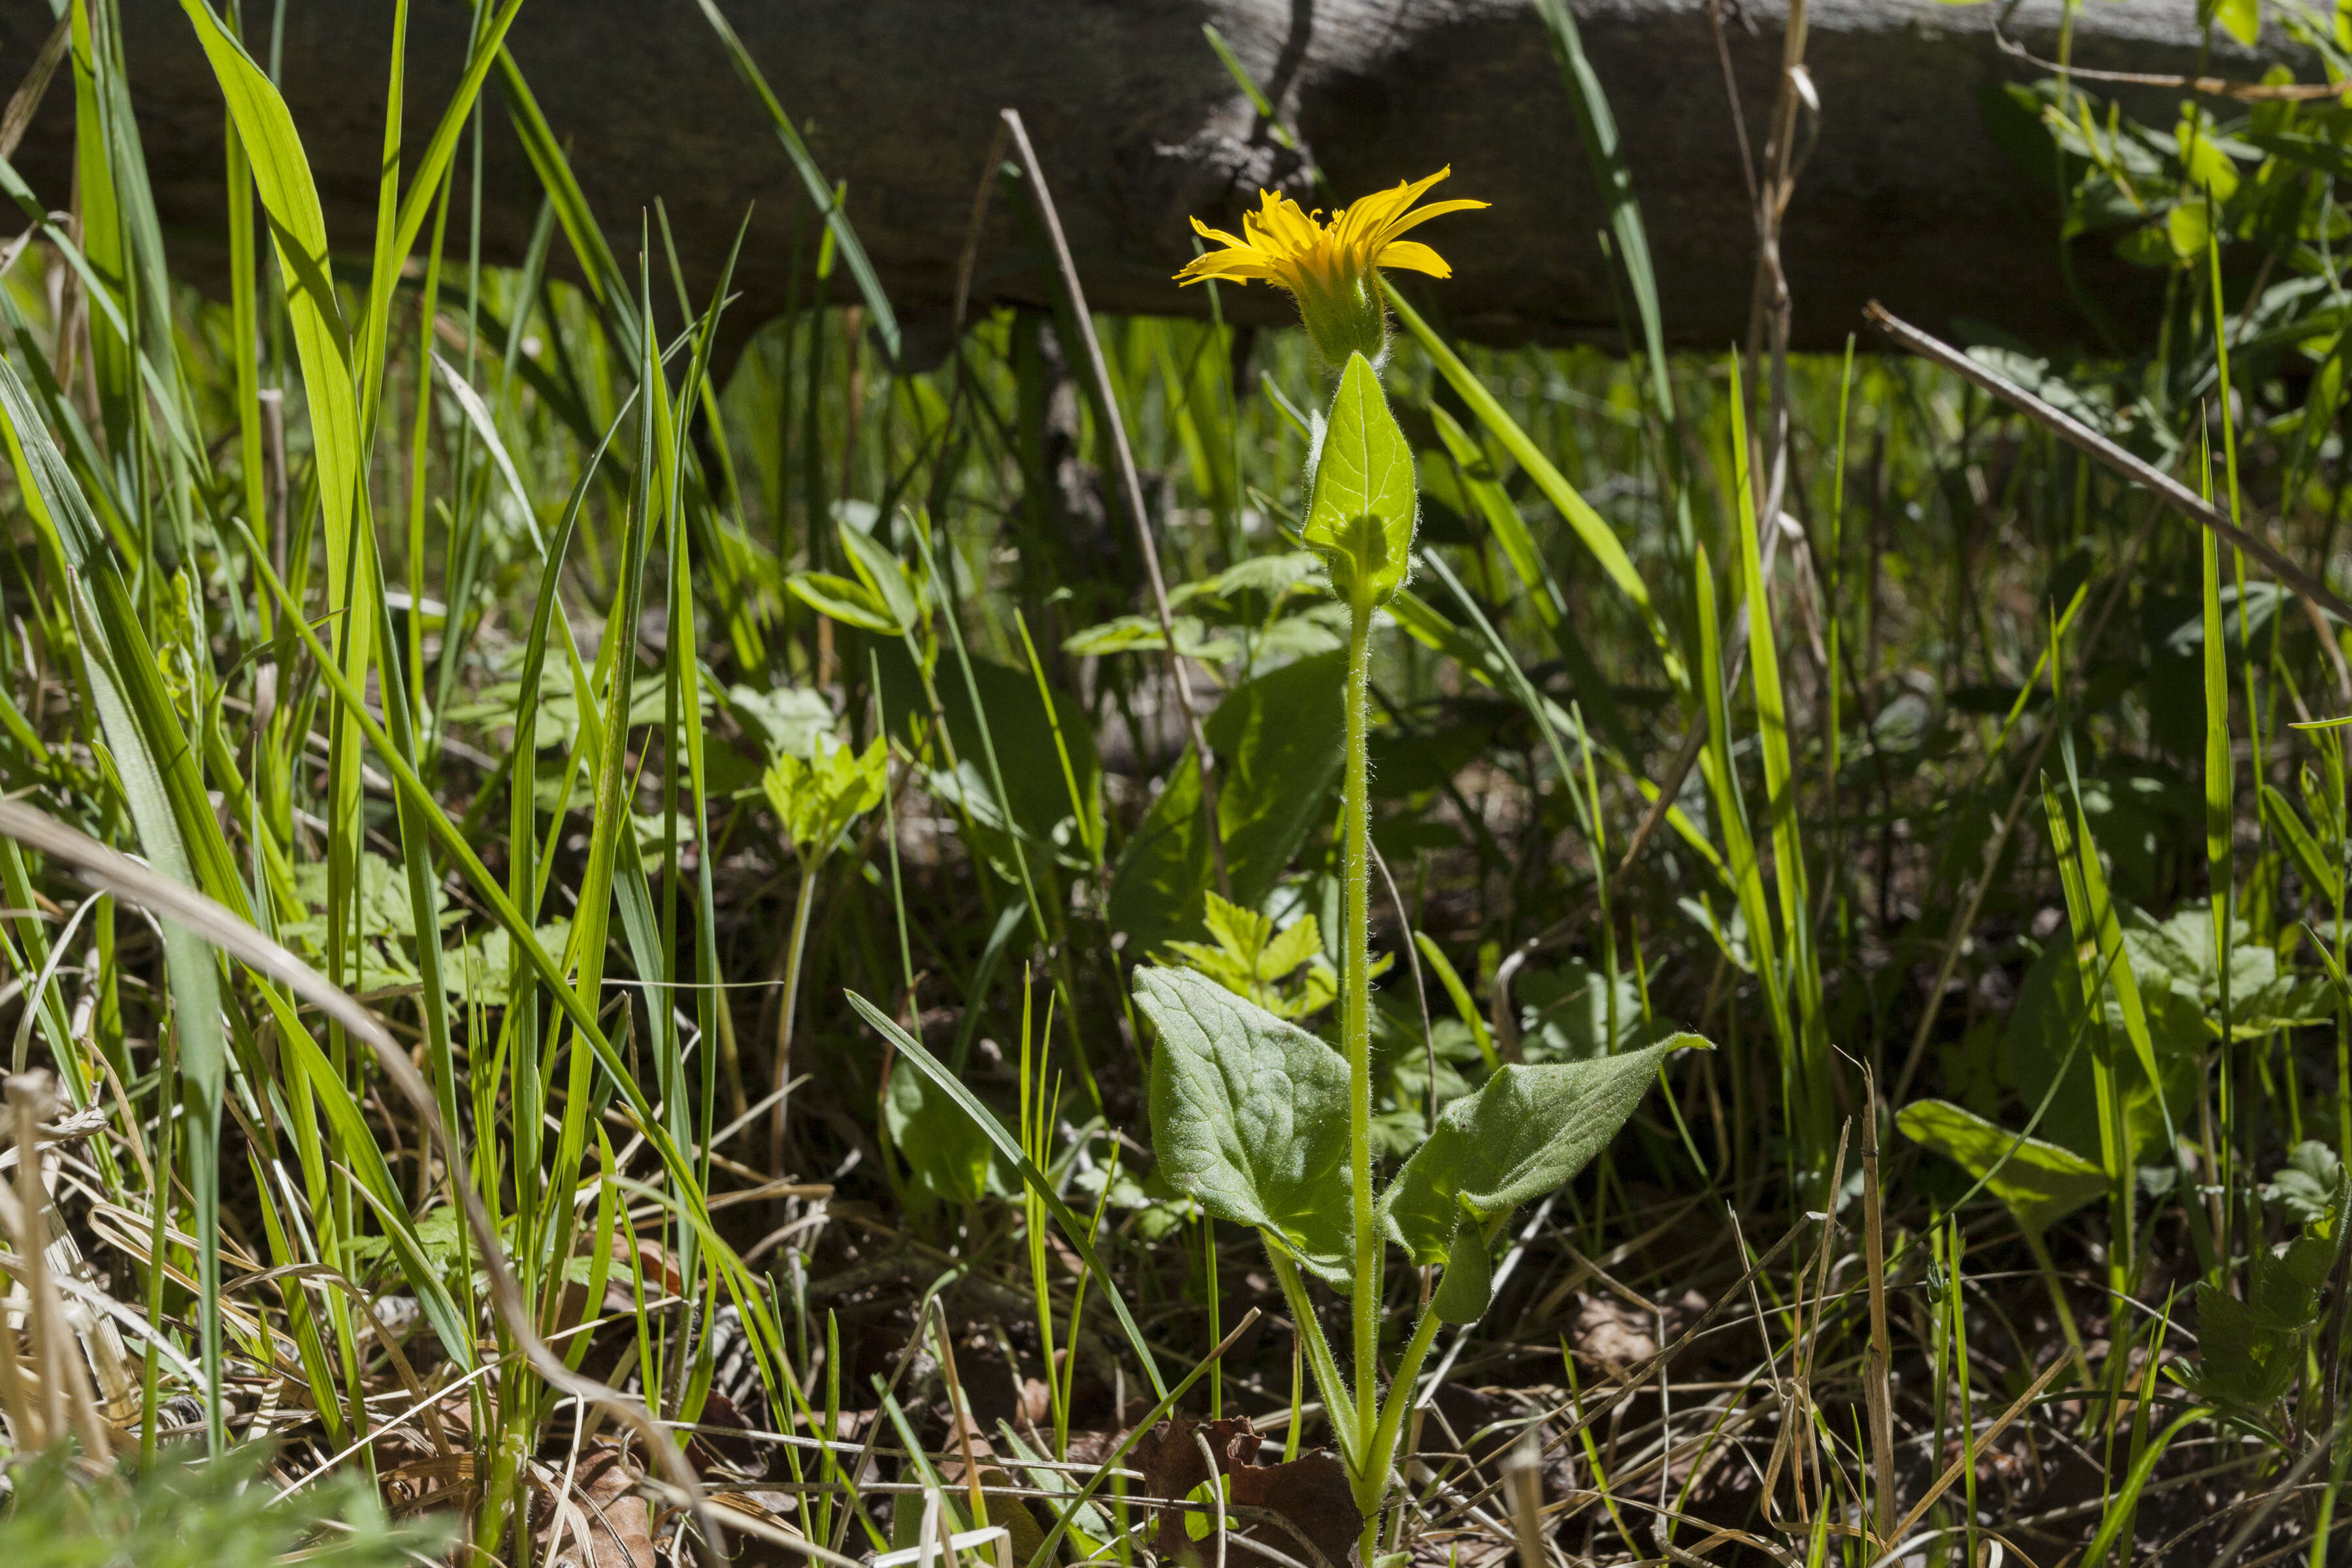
[1361,514]
[1249,1116]
[1526,1132]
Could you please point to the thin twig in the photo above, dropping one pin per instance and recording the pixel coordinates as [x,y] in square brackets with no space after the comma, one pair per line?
[1876,1388]
[1952,1472]
[2084,438]
[26,100]
[1130,486]
[2211,86]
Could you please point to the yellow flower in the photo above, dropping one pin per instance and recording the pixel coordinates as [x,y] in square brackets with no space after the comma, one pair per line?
[1332,269]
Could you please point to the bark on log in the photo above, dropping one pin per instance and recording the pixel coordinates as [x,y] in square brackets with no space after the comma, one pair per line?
[1905,194]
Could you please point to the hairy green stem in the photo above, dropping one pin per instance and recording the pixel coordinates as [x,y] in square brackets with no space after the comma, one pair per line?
[1356,1019]
[1338,1403]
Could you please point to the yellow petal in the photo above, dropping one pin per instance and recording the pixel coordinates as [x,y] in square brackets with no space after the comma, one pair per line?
[1283,223]
[1232,266]
[1220,236]
[1412,193]
[1378,209]
[1422,215]
[1352,226]
[1413,257]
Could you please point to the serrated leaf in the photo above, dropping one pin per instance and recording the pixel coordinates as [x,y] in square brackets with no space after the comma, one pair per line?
[2240,1361]
[1274,575]
[1142,633]
[1248,958]
[1526,1132]
[2039,1183]
[1298,945]
[1362,515]
[2282,1287]
[816,800]
[2306,1185]
[1249,1116]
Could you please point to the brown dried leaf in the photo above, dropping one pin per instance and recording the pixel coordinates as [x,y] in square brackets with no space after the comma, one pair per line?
[1303,1508]
[604,1520]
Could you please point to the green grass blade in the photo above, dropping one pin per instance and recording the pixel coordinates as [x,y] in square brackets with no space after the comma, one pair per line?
[1780,806]
[821,191]
[1589,526]
[1074,1229]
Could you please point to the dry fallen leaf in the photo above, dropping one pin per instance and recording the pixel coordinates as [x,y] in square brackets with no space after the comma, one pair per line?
[1303,1508]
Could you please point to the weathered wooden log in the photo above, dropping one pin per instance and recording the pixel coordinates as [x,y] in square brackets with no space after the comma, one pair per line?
[1904,196]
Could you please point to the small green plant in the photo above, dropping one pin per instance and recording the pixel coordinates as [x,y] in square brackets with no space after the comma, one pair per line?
[182,1512]
[816,799]
[2251,1350]
[1263,1123]
[1285,973]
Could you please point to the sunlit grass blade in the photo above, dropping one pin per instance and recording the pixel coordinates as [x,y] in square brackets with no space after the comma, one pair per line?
[1074,1230]
[1813,1109]
[1591,528]
[827,197]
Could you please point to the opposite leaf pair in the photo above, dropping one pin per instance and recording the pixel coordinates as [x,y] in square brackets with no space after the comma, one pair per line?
[1250,1116]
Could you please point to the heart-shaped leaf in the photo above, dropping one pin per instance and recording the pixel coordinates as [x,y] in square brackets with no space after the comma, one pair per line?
[2040,1183]
[1361,514]
[1527,1130]
[1249,1116]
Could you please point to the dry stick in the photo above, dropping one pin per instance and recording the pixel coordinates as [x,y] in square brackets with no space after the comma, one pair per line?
[2211,86]
[1631,1376]
[970,258]
[1524,1473]
[1731,92]
[65,1382]
[1876,1390]
[1952,1473]
[1770,307]
[111,871]
[2084,438]
[28,97]
[1793,1444]
[1216,1471]
[1130,488]
[959,1402]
